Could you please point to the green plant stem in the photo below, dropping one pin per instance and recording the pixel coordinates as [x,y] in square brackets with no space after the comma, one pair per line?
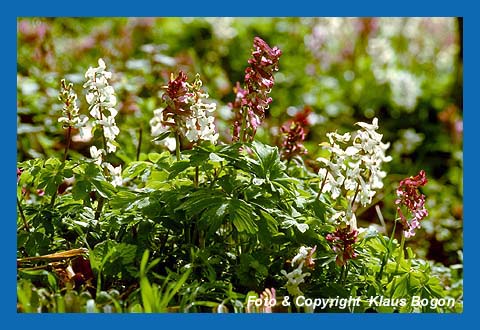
[389,247]
[216,174]
[288,162]
[399,261]
[401,255]
[54,197]
[104,139]
[177,145]
[341,273]
[101,200]
[65,155]
[345,273]
[22,215]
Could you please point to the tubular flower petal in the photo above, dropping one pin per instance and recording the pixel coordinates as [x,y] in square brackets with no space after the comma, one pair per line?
[185,112]
[342,242]
[410,197]
[252,100]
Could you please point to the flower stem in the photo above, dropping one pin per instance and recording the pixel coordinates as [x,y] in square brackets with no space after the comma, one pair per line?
[195,181]
[243,131]
[177,145]
[67,146]
[346,272]
[389,247]
[65,155]
[401,255]
[22,215]
[321,186]
[341,273]
[355,196]
[98,211]
[139,145]
[400,258]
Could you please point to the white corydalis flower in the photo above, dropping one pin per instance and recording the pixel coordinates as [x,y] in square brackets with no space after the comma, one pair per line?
[70,112]
[115,174]
[297,276]
[196,124]
[97,155]
[157,128]
[102,100]
[200,124]
[355,168]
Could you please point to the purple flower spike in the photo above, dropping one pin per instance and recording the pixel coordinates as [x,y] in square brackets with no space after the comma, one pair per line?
[252,100]
[410,197]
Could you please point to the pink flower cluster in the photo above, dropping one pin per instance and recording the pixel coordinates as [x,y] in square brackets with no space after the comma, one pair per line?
[177,96]
[253,98]
[295,131]
[342,241]
[410,197]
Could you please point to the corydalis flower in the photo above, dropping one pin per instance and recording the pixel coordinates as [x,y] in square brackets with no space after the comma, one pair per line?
[178,96]
[295,132]
[101,98]
[355,163]
[70,116]
[297,276]
[185,113]
[268,295]
[409,196]
[342,242]
[252,100]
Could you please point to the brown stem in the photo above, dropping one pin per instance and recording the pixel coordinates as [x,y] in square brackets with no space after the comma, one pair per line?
[195,182]
[98,211]
[67,146]
[139,146]
[322,185]
[355,196]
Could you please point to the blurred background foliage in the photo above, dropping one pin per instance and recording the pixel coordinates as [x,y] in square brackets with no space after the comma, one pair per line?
[405,71]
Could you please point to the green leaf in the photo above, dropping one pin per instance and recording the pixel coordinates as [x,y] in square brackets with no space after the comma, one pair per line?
[435,287]
[114,259]
[124,198]
[158,180]
[162,136]
[399,286]
[134,169]
[104,188]
[216,158]
[270,164]
[177,168]
[159,159]
[213,217]
[241,215]
[198,201]
[81,190]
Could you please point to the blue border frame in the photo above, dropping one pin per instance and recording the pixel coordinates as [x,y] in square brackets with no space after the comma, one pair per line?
[237,8]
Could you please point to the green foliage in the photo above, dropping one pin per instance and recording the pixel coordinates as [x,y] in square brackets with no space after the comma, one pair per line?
[221,223]
[156,298]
